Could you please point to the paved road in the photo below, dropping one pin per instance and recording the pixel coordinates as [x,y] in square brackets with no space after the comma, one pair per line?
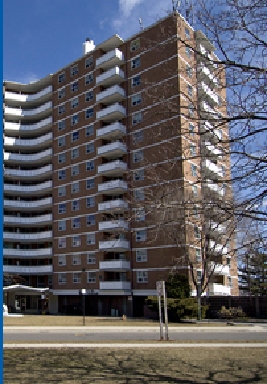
[93,334]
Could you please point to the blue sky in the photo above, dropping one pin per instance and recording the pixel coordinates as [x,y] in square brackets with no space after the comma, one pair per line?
[42,36]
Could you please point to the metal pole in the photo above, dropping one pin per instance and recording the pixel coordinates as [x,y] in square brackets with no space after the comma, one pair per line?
[83,309]
[199,301]
[165,311]
[160,319]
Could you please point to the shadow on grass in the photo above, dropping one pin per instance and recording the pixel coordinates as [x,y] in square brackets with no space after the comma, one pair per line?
[121,366]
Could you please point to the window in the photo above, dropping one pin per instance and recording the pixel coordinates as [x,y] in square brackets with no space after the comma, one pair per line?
[61,77]
[61,157]
[136,99]
[190,90]
[139,194]
[75,205]
[74,102]
[89,113]
[62,208]
[136,62]
[74,86]
[140,215]
[140,235]
[76,241]
[138,156]
[61,125]
[61,191]
[89,61]
[91,277]
[137,118]
[90,202]
[197,233]
[141,255]
[61,109]
[191,129]
[89,130]
[223,170]
[76,259]
[74,70]
[75,153]
[90,238]
[195,211]
[62,225]
[90,183]
[91,258]
[188,51]
[187,33]
[61,242]
[61,174]
[89,78]
[139,175]
[61,93]
[62,278]
[191,109]
[198,255]
[193,150]
[75,187]
[74,119]
[189,71]
[75,170]
[90,220]
[61,260]
[194,170]
[89,96]
[135,44]
[75,136]
[76,277]
[138,137]
[142,276]
[136,80]
[61,142]
[90,148]
[90,165]
[195,190]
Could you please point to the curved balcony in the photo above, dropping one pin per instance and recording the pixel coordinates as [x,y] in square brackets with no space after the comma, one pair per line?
[113,205]
[211,169]
[20,205]
[24,98]
[219,290]
[28,270]
[114,149]
[114,130]
[33,174]
[113,225]
[40,141]
[28,237]
[110,59]
[215,248]
[115,285]
[29,113]
[219,269]
[113,112]
[21,129]
[31,189]
[116,167]
[205,92]
[113,187]
[22,158]
[28,253]
[111,95]
[29,221]
[114,245]
[112,76]
[114,265]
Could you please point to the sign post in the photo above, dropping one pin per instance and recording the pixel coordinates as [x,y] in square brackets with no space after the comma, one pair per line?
[165,311]
[159,291]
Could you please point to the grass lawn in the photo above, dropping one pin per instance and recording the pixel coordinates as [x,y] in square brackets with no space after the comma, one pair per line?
[121,366]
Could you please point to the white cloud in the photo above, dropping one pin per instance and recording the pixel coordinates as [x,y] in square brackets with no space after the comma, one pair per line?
[126,6]
[25,78]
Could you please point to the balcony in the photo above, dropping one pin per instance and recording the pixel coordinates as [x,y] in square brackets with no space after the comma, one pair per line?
[111,95]
[113,225]
[114,245]
[39,127]
[17,189]
[41,141]
[114,149]
[28,270]
[115,285]
[23,98]
[111,77]
[115,265]
[113,205]
[116,167]
[213,188]
[19,205]
[45,171]
[111,113]
[219,269]
[28,237]
[205,74]
[29,113]
[115,130]
[113,187]
[217,248]
[210,148]
[110,59]
[35,158]
[212,169]
[205,92]
[219,290]
[28,253]
[25,221]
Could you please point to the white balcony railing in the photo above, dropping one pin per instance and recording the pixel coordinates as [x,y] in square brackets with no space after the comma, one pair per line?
[116,148]
[111,95]
[47,185]
[219,269]
[14,142]
[113,224]
[212,167]
[28,253]
[113,186]
[16,157]
[218,248]
[211,148]
[42,219]
[23,128]
[26,205]
[115,285]
[112,167]
[26,98]
[112,76]
[112,130]
[29,270]
[43,171]
[112,205]
[117,244]
[110,59]
[28,237]
[219,290]
[113,112]
[117,265]
[28,112]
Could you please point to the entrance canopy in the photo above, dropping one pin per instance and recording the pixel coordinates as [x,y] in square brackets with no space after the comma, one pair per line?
[25,290]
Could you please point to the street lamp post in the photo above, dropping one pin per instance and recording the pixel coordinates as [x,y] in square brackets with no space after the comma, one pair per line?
[83,293]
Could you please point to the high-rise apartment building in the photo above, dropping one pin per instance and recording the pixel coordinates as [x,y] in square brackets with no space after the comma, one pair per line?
[80,147]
